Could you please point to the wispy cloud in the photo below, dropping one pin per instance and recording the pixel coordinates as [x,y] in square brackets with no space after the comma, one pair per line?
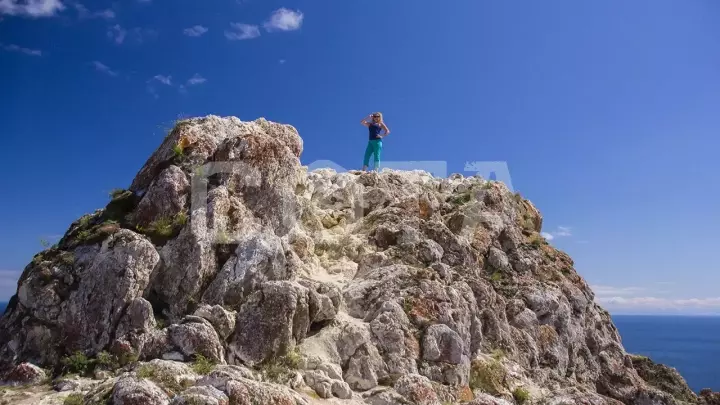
[282,61]
[31,8]
[166,80]
[84,13]
[284,20]
[242,31]
[561,231]
[101,67]
[16,48]
[119,34]
[606,290]
[195,31]
[196,79]
[152,82]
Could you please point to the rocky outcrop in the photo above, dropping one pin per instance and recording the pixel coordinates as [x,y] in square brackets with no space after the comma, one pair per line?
[662,377]
[235,276]
[132,391]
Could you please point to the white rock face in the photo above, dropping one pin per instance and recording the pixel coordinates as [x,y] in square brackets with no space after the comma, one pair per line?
[376,288]
[131,391]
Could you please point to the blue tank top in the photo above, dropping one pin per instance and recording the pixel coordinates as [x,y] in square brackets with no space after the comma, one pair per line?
[375,130]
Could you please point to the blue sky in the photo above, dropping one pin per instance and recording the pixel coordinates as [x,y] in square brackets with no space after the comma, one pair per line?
[606,112]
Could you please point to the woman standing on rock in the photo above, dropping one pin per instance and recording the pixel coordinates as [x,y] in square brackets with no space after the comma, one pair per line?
[375,125]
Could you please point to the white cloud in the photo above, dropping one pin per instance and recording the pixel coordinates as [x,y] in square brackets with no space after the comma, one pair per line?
[660,303]
[8,283]
[195,31]
[282,61]
[561,231]
[101,67]
[31,8]
[606,290]
[284,20]
[83,12]
[645,299]
[27,51]
[117,33]
[242,31]
[166,80]
[196,79]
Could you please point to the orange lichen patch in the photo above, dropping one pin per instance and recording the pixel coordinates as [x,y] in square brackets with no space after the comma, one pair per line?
[185,141]
[547,336]
[422,394]
[481,240]
[550,252]
[412,346]
[422,308]
[263,150]
[425,208]
[108,228]
[465,394]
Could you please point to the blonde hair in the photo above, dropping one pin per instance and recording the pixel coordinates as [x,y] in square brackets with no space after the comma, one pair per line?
[379,114]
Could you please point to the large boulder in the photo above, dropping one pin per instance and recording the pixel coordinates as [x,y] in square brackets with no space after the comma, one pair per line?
[279,315]
[259,257]
[133,391]
[121,270]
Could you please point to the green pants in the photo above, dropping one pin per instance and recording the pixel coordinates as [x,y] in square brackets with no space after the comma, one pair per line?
[374,147]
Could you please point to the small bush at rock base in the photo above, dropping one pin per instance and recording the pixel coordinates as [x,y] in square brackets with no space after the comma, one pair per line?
[77,363]
[521,395]
[107,361]
[202,365]
[74,399]
[461,199]
[278,370]
[117,193]
[145,371]
[164,227]
[537,240]
[166,381]
[487,376]
[161,226]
